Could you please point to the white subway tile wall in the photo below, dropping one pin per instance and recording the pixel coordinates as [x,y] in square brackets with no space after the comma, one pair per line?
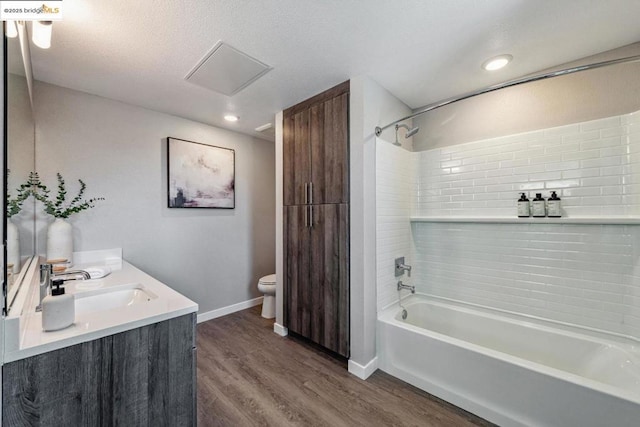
[395,187]
[583,274]
[592,166]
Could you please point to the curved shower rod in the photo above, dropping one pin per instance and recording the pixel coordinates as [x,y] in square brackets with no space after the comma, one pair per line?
[510,83]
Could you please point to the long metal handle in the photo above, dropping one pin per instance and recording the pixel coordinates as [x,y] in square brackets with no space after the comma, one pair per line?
[311,216]
[306,216]
[306,194]
[311,193]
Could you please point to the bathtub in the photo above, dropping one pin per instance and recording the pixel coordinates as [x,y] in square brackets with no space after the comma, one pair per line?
[512,370]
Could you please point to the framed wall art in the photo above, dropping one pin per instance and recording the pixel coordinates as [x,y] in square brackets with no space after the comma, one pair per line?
[200,175]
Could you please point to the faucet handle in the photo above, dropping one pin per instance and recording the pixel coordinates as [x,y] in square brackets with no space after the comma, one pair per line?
[401,267]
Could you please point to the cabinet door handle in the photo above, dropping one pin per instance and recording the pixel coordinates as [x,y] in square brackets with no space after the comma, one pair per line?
[306,216]
[306,194]
[311,193]
[310,216]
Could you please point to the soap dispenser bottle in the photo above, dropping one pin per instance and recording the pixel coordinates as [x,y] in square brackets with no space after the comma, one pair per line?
[524,209]
[58,309]
[538,206]
[554,210]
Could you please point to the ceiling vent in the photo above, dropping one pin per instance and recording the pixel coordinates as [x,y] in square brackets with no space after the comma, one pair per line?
[226,70]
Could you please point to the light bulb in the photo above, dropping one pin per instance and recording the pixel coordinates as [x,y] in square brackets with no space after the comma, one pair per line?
[42,34]
[496,62]
[11,29]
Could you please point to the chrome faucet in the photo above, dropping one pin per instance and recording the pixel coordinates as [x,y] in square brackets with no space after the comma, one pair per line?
[85,275]
[46,271]
[47,276]
[408,287]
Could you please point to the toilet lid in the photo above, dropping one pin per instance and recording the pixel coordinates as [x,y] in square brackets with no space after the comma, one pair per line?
[268,280]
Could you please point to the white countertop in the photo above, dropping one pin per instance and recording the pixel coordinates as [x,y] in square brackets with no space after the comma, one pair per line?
[24,336]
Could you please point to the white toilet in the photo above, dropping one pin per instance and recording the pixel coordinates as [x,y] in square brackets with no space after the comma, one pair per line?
[267,285]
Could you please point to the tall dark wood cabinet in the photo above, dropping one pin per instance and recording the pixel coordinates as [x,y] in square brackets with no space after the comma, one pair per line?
[316,219]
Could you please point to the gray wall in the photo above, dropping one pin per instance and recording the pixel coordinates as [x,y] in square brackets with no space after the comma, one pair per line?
[370,105]
[212,256]
[583,96]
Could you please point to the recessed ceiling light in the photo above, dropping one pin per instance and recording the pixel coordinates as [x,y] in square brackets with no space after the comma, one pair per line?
[231,118]
[496,62]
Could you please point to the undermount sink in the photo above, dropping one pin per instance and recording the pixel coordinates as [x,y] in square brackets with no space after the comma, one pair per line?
[112,298]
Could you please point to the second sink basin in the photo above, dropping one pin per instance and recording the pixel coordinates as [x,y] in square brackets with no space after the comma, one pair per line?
[112,298]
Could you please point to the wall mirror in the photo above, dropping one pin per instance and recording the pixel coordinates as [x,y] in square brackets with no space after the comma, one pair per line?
[20,152]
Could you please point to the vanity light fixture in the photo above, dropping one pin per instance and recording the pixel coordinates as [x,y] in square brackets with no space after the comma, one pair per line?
[231,118]
[497,62]
[11,30]
[42,34]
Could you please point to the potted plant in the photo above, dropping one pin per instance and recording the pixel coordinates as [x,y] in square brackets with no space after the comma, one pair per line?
[60,232]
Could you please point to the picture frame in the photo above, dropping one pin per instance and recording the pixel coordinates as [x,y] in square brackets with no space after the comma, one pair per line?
[200,175]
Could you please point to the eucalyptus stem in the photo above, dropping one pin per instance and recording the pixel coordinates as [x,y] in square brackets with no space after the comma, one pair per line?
[58,207]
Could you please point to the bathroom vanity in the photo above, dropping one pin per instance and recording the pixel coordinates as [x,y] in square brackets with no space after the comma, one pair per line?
[127,360]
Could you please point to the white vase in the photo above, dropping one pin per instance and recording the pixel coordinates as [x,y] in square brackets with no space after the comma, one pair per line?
[13,246]
[60,240]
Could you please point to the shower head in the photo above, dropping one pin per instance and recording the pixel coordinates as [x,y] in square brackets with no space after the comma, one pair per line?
[410,131]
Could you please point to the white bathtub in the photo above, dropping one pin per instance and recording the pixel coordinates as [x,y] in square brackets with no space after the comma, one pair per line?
[512,370]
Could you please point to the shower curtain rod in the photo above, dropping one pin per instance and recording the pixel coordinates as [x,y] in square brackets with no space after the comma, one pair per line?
[510,83]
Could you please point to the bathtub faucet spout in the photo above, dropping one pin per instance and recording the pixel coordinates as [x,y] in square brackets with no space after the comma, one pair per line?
[403,286]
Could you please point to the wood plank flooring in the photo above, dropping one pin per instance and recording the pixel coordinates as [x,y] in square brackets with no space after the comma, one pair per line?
[249,376]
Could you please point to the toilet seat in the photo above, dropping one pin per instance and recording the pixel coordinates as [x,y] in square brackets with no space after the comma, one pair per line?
[268,280]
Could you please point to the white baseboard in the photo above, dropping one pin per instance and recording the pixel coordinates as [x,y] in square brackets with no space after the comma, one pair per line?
[363,372]
[280,330]
[219,312]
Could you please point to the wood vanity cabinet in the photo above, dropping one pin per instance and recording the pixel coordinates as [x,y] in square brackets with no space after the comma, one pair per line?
[141,377]
[316,219]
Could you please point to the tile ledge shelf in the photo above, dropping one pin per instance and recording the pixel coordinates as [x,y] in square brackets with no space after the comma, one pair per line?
[597,220]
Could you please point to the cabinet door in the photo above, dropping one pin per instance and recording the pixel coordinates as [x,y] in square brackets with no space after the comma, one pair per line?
[296,157]
[141,377]
[329,136]
[297,290]
[329,263]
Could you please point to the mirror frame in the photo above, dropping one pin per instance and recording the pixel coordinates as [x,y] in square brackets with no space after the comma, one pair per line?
[5,150]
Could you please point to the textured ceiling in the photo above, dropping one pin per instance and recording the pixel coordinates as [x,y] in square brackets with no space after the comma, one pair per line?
[421,50]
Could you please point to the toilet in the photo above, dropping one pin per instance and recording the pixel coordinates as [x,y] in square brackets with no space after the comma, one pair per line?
[267,286]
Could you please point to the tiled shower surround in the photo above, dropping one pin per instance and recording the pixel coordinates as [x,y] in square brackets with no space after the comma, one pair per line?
[583,274]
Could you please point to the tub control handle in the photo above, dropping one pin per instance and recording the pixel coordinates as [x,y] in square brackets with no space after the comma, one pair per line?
[401,267]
